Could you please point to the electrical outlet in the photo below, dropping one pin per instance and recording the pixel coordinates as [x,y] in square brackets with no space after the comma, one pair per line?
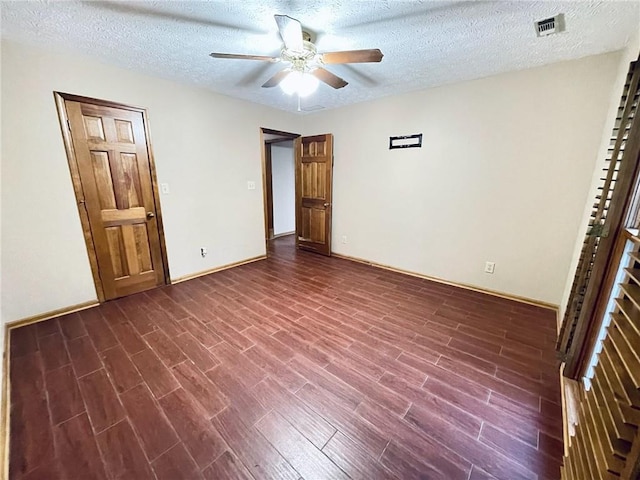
[489,267]
[251,185]
[344,239]
[203,251]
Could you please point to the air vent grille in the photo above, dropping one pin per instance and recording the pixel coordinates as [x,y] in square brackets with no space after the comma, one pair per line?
[549,26]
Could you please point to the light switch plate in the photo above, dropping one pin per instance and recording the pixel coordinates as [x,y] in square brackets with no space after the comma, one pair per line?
[164,188]
[251,185]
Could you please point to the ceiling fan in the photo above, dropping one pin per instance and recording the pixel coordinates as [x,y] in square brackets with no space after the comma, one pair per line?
[305,63]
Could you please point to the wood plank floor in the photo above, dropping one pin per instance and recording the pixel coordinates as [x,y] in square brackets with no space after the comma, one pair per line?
[298,366]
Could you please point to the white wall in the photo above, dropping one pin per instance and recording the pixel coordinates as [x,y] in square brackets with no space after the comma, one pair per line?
[627,56]
[284,188]
[2,329]
[503,175]
[206,146]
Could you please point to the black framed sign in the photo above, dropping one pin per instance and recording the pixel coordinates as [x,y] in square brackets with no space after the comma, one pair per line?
[406,141]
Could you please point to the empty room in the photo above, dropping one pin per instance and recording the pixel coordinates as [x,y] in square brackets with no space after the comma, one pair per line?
[320,240]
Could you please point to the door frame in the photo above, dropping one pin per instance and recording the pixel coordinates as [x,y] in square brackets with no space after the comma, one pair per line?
[265,150]
[60,99]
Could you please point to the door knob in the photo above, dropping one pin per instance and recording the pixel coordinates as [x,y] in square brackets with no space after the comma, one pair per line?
[327,204]
[150,214]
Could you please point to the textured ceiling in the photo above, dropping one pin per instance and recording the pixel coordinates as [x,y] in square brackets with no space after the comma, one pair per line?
[425,44]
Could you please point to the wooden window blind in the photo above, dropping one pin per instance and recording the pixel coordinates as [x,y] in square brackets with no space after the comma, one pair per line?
[597,248]
[606,444]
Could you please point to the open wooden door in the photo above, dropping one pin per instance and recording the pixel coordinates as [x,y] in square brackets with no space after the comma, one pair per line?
[115,185]
[314,166]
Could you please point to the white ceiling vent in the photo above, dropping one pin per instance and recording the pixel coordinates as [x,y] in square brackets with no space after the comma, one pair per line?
[549,26]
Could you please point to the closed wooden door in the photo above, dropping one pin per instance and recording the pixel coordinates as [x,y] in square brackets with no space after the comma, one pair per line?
[117,193]
[314,167]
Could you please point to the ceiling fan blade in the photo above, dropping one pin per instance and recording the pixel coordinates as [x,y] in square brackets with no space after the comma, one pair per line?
[235,56]
[329,78]
[353,56]
[290,31]
[276,79]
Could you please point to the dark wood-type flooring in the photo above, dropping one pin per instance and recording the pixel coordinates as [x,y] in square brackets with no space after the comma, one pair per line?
[298,366]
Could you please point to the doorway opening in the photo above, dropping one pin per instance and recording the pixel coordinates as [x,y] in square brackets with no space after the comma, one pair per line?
[278,167]
[312,187]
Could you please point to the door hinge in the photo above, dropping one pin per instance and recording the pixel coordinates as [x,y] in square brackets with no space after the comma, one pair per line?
[68,124]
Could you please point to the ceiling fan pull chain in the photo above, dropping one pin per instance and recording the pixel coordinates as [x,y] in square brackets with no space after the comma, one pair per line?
[299,102]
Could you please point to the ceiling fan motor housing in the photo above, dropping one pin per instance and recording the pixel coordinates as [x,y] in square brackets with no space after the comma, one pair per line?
[304,61]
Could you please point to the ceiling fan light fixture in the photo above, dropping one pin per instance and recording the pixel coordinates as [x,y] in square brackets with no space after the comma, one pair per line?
[301,83]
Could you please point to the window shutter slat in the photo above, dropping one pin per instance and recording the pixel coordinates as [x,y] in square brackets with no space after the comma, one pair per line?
[598,218]
[606,443]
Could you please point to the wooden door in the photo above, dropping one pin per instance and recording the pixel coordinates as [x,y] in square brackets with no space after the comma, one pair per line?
[117,193]
[314,166]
